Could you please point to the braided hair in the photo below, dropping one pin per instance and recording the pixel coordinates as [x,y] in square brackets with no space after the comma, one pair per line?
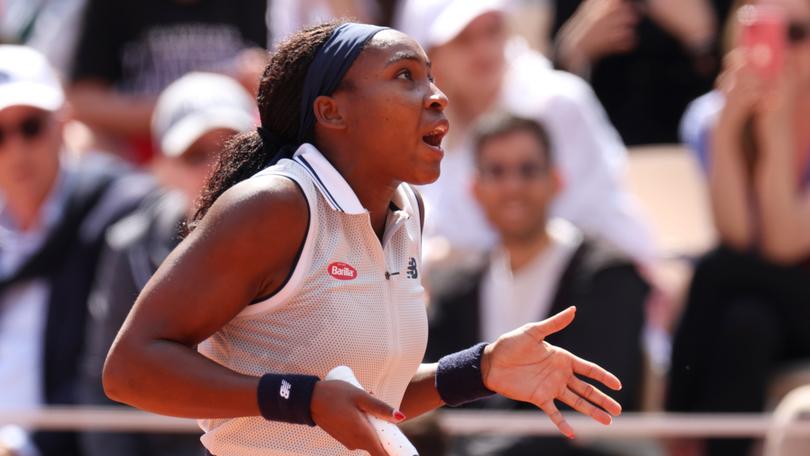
[279,103]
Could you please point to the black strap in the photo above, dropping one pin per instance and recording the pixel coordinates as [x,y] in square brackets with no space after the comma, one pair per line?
[85,196]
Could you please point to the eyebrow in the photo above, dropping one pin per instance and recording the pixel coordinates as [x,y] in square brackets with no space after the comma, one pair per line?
[406,55]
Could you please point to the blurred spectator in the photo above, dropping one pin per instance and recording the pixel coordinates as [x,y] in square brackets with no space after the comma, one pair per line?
[50,26]
[193,117]
[481,68]
[645,59]
[53,214]
[289,16]
[129,51]
[540,267]
[747,311]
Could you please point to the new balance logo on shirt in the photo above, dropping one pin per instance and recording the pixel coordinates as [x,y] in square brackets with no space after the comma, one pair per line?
[412,272]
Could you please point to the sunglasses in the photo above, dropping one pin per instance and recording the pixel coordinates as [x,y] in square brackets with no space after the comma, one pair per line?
[797,32]
[526,171]
[29,129]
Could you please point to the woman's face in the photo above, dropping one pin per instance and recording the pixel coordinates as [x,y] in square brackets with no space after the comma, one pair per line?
[393,110]
[474,62]
[797,14]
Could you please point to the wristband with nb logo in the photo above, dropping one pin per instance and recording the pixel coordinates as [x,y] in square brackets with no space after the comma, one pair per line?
[286,398]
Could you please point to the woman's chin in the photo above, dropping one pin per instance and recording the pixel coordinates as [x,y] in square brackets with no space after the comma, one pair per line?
[427,176]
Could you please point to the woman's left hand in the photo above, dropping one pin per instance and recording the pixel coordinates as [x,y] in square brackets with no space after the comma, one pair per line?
[776,113]
[522,366]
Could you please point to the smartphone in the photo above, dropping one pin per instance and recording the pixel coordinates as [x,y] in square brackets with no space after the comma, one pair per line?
[764,36]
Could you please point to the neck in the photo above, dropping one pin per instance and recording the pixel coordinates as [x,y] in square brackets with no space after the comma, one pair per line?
[26,213]
[523,249]
[372,190]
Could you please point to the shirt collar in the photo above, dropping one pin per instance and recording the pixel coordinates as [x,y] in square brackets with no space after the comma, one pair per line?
[334,188]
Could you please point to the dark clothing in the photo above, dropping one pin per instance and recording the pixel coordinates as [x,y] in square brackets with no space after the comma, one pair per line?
[134,248]
[744,318]
[609,295]
[102,194]
[645,91]
[141,47]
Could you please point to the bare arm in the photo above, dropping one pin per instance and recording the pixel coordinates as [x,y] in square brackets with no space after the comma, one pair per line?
[99,106]
[692,22]
[730,187]
[421,395]
[222,266]
[784,209]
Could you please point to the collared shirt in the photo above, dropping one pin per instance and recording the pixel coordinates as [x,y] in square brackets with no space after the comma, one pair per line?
[350,300]
[23,311]
[510,298]
[588,152]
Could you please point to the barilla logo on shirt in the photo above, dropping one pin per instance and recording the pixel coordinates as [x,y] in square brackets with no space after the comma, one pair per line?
[342,271]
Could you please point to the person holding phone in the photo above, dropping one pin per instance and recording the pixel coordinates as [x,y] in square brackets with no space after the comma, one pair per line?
[747,313]
[305,255]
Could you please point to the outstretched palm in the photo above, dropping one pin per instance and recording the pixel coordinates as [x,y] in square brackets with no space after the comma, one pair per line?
[521,365]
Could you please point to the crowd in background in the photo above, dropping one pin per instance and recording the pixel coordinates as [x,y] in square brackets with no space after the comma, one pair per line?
[112,115]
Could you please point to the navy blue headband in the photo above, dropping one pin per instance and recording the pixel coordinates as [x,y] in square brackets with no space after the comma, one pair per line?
[327,69]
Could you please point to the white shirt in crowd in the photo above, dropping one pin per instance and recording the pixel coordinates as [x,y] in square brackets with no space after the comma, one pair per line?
[23,309]
[510,298]
[588,152]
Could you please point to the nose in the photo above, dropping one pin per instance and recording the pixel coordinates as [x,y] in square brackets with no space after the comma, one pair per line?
[436,100]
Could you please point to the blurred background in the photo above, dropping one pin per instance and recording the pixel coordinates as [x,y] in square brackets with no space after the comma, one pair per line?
[644,160]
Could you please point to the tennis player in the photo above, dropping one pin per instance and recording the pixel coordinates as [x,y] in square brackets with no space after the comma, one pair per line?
[305,254]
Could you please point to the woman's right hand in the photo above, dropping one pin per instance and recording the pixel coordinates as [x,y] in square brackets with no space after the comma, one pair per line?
[340,409]
[742,87]
[598,28]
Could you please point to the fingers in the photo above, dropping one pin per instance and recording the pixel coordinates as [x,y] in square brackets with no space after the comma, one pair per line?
[365,438]
[558,419]
[379,409]
[593,395]
[594,371]
[551,325]
[584,407]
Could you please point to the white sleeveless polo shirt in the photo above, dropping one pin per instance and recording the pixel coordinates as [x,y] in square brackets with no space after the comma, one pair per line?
[350,300]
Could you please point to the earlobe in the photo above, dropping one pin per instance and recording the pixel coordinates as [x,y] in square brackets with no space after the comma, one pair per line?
[328,113]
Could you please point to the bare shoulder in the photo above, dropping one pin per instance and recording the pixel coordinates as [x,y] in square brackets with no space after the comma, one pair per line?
[265,202]
[253,231]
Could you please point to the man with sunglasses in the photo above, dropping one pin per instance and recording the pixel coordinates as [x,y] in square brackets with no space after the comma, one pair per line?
[193,117]
[540,266]
[53,213]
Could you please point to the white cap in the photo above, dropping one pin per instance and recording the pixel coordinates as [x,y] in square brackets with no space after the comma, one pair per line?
[436,22]
[27,79]
[196,104]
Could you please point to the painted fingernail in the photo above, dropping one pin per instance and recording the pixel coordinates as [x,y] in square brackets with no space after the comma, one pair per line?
[399,415]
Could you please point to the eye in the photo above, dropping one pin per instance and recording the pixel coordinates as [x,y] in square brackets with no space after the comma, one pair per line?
[405,74]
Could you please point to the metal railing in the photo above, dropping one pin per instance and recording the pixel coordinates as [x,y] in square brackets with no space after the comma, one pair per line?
[454,422]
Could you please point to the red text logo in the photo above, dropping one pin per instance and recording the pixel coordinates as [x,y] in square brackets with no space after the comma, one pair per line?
[342,271]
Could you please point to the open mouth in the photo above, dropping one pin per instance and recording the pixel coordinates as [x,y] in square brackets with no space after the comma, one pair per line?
[435,136]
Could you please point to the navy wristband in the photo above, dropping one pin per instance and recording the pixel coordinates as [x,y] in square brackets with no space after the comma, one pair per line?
[286,397]
[458,376]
